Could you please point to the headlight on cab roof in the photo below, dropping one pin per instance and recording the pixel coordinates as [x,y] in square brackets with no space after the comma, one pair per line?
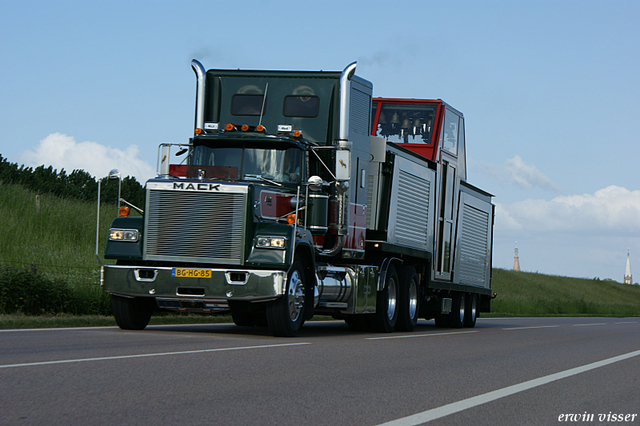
[129,235]
[271,242]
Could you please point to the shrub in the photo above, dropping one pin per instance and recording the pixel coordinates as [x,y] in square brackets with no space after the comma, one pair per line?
[35,294]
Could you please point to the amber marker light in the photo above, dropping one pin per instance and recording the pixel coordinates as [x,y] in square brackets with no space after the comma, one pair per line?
[244,127]
[291,218]
[198,131]
[297,133]
[229,127]
[123,211]
[260,128]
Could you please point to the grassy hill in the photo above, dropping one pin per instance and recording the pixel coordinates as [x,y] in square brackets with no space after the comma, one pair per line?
[58,239]
[58,242]
[533,294]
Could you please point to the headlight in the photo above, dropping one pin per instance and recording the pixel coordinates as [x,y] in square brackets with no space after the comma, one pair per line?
[129,235]
[271,242]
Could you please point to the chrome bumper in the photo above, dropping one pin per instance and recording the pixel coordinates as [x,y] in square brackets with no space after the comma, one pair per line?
[214,292]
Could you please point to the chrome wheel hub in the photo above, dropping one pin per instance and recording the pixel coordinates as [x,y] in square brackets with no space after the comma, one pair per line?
[295,296]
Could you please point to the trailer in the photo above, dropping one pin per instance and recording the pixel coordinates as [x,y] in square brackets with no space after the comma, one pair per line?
[300,195]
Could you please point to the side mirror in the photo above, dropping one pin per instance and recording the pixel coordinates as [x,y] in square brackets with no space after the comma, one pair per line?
[315,183]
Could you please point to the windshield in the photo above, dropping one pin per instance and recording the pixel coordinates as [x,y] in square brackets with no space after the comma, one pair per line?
[248,163]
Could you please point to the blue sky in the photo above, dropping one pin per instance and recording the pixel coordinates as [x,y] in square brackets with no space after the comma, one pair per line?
[549,90]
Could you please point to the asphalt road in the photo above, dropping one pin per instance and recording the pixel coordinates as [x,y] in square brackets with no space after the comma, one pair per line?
[502,372]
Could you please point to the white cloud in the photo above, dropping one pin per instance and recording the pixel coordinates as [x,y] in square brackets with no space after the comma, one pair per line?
[62,151]
[609,210]
[516,172]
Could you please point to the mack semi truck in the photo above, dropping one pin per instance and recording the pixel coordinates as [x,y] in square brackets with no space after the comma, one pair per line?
[300,194]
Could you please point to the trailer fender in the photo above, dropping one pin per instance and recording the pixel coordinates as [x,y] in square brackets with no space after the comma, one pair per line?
[384,267]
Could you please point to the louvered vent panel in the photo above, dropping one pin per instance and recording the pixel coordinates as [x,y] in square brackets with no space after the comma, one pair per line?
[360,111]
[412,210]
[473,246]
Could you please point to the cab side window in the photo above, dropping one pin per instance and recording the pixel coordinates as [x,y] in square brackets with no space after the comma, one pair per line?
[450,131]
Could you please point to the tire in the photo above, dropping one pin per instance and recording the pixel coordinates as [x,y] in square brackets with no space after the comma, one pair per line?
[409,299]
[285,315]
[387,303]
[471,311]
[457,315]
[132,314]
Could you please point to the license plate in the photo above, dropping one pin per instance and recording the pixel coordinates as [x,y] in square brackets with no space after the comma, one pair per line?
[190,273]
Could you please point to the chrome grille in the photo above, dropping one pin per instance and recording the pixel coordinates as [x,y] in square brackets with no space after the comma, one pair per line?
[197,226]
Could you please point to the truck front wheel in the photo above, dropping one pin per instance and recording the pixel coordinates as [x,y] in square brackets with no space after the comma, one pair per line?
[285,315]
[132,314]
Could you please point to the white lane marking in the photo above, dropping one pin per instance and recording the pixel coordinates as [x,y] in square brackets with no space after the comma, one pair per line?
[532,327]
[455,407]
[404,336]
[107,358]
[626,322]
[56,328]
[589,324]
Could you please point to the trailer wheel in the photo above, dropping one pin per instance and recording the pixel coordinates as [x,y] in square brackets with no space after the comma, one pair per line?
[131,314]
[387,303]
[471,311]
[457,315]
[285,315]
[409,300]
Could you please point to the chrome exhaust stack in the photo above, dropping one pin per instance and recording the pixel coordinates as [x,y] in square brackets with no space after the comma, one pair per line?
[343,156]
[201,77]
[345,101]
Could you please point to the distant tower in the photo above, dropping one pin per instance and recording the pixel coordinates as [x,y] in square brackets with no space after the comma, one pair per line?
[627,272]
[516,259]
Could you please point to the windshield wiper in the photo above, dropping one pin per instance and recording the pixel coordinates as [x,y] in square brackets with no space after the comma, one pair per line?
[262,179]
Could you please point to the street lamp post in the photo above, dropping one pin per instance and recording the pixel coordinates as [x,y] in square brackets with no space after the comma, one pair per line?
[113,174]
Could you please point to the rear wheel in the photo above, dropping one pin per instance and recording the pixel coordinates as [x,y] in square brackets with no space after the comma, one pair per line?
[132,314]
[456,317]
[285,315]
[471,311]
[409,300]
[387,303]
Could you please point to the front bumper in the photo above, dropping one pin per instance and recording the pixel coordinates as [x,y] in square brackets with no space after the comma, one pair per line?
[194,293]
